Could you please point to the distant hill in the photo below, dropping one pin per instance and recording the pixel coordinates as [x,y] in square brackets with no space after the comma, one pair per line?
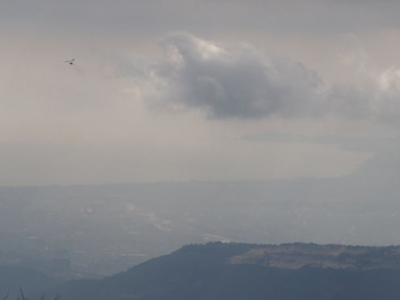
[244,271]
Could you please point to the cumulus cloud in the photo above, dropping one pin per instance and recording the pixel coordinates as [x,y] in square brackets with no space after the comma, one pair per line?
[372,94]
[241,82]
[227,82]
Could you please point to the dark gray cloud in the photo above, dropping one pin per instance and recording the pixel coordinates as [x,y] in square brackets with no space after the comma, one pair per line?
[228,82]
[238,81]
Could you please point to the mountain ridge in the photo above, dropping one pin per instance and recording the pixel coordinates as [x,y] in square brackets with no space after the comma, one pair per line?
[206,271]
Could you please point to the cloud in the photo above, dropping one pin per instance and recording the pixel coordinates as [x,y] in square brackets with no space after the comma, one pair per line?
[227,82]
[240,82]
[373,95]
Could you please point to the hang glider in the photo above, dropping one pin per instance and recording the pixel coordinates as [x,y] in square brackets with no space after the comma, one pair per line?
[70,61]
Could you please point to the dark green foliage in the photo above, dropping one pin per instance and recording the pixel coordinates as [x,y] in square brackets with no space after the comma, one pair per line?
[34,282]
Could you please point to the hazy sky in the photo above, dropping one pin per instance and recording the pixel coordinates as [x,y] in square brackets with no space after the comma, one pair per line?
[197,90]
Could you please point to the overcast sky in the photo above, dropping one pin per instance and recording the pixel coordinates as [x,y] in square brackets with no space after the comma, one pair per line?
[179,90]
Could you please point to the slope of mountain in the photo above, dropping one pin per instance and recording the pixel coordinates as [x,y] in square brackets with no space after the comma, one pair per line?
[33,282]
[239,271]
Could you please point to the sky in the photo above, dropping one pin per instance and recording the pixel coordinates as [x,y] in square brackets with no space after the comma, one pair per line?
[179,90]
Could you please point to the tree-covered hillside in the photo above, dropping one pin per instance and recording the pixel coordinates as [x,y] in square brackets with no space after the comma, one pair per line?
[205,272]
